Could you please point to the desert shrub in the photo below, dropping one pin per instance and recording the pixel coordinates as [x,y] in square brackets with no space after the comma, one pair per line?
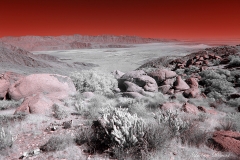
[200,102]
[5,120]
[194,135]
[235,62]
[191,69]
[6,139]
[234,118]
[216,62]
[223,72]
[210,74]
[57,143]
[180,71]
[231,79]
[176,124]
[227,124]
[9,104]
[94,81]
[234,102]
[235,73]
[157,136]
[202,117]
[218,87]
[59,113]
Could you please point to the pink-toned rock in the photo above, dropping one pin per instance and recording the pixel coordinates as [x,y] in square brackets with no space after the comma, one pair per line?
[4,86]
[190,108]
[180,84]
[169,81]
[12,77]
[192,82]
[170,92]
[191,93]
[228,140]
[38,104]
[171,106]
[164,88]
[147,82]
[161,75]
[51,85]
[132,87]
[210,111]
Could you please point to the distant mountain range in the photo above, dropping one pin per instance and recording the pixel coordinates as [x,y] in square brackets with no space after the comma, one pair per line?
[43,43]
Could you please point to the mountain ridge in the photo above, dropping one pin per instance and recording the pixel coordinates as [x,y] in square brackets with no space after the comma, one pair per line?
[65,42]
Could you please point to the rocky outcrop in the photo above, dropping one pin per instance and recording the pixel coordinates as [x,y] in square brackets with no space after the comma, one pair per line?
[193,91]
[135,80]
[190,108]
[180,84]
[40,92]
[162,75]
[228,140]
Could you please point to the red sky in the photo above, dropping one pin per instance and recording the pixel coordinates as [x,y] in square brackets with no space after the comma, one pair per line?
[180,19]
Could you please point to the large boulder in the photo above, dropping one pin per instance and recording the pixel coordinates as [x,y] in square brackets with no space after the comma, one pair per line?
[139,78]
[51,85]
[161,75]
[40,92]
[132,87]
[4,86]
[190,108]
[228,140]
[192,82]
[191,93]
[147,82]
[164,88]
[37,104]
[180,84]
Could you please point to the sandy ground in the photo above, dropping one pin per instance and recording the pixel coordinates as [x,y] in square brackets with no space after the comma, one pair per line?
[124,59]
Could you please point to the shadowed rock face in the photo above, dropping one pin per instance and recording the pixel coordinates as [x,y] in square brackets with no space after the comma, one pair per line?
[38,43]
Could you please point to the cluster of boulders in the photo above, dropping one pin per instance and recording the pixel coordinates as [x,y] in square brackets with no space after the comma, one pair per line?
[38,91]
[135,84]
[205,58]
[138,83]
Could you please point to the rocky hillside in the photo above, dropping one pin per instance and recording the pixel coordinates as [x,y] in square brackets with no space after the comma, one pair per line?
[13,55]
[42,43]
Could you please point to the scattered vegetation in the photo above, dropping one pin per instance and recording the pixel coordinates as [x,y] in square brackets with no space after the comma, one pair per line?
[94,81]
[58,112]
[5,104]
[6,139]
[57,143]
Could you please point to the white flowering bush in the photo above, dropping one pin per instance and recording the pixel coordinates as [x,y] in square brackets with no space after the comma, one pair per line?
[94,81]
[124,129]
